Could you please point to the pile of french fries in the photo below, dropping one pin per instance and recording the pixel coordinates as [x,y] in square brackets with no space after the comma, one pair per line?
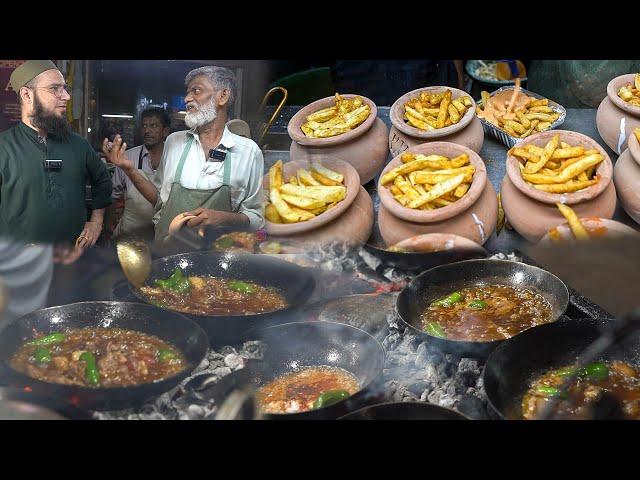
[631,93]
[558,167]
[435,110]
[427,182]
[344,116]
[534,115]
[305,195]
[577,228]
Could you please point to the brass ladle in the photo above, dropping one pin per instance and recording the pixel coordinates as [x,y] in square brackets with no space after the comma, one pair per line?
[135,259]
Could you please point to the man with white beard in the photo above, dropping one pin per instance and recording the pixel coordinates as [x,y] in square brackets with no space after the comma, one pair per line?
[206,172]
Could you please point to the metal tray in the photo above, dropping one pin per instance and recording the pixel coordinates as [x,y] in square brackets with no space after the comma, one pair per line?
[503,136]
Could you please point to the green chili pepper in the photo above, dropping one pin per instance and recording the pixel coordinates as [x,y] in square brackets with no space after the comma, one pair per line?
[595,371]
[551,392]
[42,355]
[330,397]
[48,339]
[449,300]
[224,242]
[242,287]
[166,355]
[91,370]
[177,282]
[434,329]
[566,371]
[477,305]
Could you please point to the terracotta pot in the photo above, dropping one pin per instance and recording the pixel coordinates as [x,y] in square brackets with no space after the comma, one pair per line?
[474,216]
[532,212]
[353,227]
[364,147]
[597,227]
[289,169]
[626,177]
[468,131]
[615,118]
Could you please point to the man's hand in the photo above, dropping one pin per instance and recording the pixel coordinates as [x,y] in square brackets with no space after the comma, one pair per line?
[115,153]
[212,218]
[89,235]
[66,255]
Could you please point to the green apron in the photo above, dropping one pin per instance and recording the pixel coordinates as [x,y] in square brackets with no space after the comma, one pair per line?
[182,199]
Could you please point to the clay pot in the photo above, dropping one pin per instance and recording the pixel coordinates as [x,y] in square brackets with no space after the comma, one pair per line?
[532,212]
[615,118]
[474,216]
[364,147]
[468,131]
[626,177]
[595,226]
[350,221]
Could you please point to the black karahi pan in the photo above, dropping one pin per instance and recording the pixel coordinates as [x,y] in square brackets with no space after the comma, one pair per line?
[441,281]
[181,332]
[404,411]
[291,346]
[514,364]
[295,283]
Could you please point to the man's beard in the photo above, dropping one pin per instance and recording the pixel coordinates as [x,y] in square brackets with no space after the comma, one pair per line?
[205,114]
[51,123]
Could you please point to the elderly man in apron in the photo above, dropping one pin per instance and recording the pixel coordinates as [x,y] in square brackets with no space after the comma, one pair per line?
[207,172]
[137,217]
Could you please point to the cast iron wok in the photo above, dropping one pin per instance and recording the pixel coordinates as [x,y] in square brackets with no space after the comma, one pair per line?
[404,411]
[441,281]
[181,332]
[295,283]
[514,364]
[291,346]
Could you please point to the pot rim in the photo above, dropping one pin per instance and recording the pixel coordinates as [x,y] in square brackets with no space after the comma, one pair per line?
[612,92]
[431,216]
[604,170]
[298,136]
[396,113]
[347,170]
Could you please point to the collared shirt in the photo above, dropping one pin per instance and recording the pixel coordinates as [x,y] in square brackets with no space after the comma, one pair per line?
[247,170]
[122,183]
[38,205]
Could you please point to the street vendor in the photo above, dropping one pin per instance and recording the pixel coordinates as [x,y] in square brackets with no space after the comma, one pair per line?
[206,171]
[44,167]
[137,217]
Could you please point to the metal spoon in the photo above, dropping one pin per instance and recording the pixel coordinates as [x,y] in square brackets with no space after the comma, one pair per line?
[135,259]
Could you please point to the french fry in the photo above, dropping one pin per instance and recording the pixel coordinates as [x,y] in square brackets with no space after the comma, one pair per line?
[546,155]
[407,157]
[460,161]
[323,193]
[567,187]
[437,191]
[344,116]
[461,190]
[300,213]
[395,190]
[406,188]
[322,115]
[574,222]
[305,178]
[287,213]
[430,161]
[636,132]
[630,93]
[275,175]
[318,211]
[453,114]
[302,202]
[272,214]
[322,179]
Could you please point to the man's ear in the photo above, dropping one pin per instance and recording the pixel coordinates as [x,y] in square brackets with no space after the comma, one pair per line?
[26,94]
[223,97]
[165,132]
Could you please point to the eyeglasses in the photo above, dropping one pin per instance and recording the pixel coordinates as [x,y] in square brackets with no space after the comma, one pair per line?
[57,90]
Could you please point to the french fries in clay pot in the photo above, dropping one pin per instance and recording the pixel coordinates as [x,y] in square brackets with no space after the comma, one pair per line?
[319,200]
[436,187]
[626,177]
[344,126]
[556,166]
[619,112]
[420,116]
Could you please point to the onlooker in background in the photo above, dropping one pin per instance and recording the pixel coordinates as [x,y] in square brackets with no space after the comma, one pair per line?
[44,167]
[576,83]
[137,216]
[384,81]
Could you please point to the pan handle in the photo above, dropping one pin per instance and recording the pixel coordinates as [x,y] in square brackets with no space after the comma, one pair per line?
[266,97]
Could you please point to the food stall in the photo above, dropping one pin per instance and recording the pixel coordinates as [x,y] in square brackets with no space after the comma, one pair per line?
[353,311]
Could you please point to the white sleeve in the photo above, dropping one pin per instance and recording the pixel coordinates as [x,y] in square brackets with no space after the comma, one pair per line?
[253,203]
